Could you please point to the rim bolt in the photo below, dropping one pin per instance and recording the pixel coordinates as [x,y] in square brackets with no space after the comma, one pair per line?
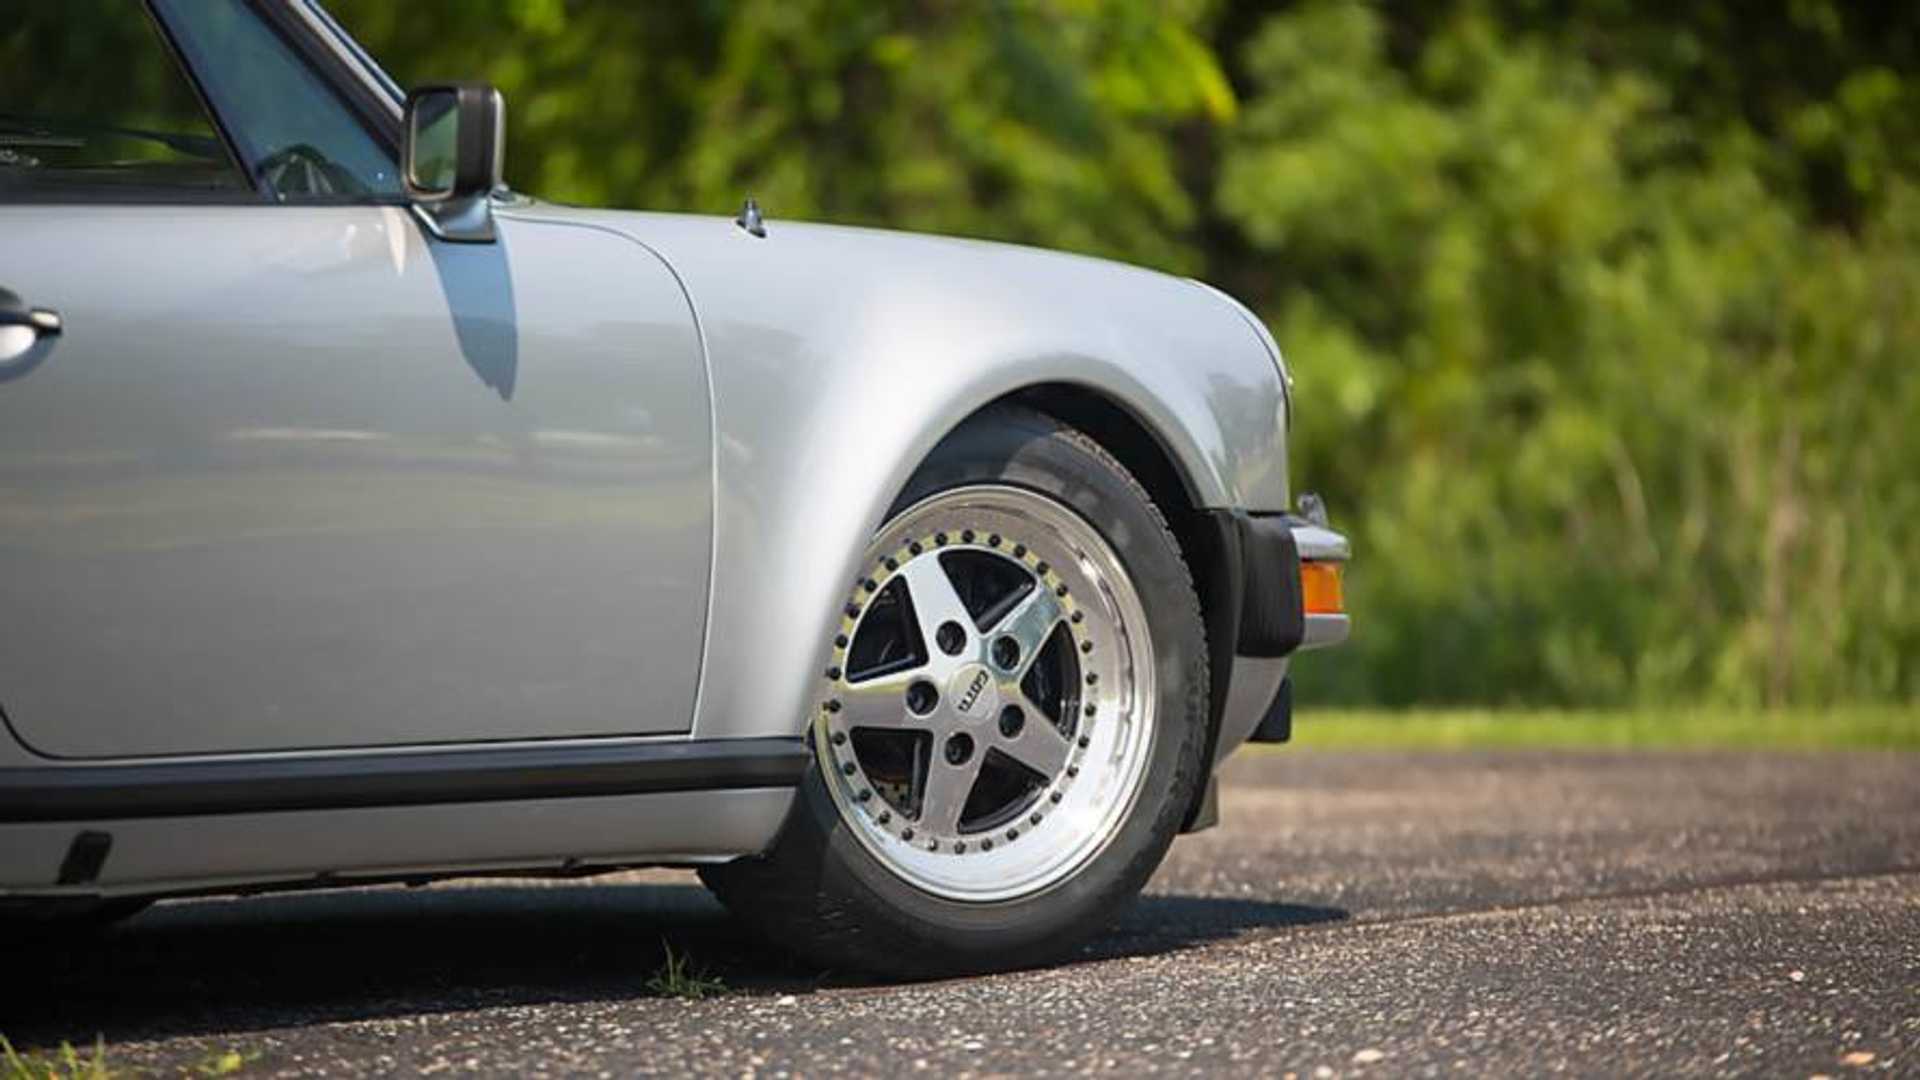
[986,845]
[940,539]
[1041,567]
[1055,797]
[1091,708]
[915,547]
[1084,741]
[1073,770]
[1019,551]
[839,641]
[993,540]
[966,536]
[933,845]
[959,846]
[885,817]
[1092,677]
[833,673]
[1086,646]
[833,704]
[839,738]
[870,585]
[893,563]
[1060,589]
[1076,616]
[1013,834]
[865,794]
[906,833]
[847,768]
[853,611]
[1033,819]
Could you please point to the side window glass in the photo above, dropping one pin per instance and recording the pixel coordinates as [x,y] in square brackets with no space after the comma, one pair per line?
[295,134]
[93,104]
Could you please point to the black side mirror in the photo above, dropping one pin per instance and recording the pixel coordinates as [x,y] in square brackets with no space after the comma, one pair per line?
[456,136]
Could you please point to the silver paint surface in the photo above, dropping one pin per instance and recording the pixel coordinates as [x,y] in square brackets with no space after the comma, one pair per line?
[302,478]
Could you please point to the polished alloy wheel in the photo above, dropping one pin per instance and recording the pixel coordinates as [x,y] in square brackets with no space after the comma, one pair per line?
[990,706]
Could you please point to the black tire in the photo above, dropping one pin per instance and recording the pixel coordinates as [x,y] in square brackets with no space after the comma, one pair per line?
[820,893]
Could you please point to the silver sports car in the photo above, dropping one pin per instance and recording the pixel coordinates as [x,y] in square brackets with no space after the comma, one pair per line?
[364,520]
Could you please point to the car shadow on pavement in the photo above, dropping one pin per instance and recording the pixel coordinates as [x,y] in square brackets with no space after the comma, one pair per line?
[236,965]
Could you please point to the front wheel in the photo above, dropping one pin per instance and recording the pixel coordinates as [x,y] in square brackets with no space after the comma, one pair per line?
[1012,726]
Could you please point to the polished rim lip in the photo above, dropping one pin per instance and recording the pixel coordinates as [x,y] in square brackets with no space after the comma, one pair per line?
[1128,707]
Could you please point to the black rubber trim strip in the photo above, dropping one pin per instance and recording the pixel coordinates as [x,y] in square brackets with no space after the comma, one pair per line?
[178,789]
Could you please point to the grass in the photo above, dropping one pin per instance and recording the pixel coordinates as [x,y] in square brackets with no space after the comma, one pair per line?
[1838,728]
[65,1063]
[677,978]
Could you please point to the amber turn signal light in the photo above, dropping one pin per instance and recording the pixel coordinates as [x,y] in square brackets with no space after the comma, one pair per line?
[1320,588]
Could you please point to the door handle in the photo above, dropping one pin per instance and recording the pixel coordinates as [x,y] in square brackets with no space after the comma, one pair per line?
[27,335]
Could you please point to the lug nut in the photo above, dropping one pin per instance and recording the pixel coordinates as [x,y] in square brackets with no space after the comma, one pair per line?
[1012,720]
[1006,653]
[922,697]
[959,748]
[950,637]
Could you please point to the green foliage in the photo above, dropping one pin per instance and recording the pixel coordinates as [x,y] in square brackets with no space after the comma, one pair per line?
[677,978]
[63,1064]
[1604,315]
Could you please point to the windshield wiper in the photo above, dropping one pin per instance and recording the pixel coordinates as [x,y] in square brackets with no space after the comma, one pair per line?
[33,131]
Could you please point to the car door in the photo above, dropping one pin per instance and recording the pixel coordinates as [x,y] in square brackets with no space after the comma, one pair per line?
[294,474]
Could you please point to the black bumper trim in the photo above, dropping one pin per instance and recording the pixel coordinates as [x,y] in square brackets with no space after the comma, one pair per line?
[179,789]
[1273,618]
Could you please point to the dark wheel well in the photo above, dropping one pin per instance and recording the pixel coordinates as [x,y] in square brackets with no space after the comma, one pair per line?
[1206,547]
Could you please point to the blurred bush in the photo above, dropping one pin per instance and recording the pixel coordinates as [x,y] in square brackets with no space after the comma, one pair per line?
[1605,316]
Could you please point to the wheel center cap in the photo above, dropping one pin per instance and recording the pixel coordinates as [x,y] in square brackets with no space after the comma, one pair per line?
[973,693]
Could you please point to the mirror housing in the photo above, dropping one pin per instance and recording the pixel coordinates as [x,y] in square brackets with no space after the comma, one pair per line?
[452,161]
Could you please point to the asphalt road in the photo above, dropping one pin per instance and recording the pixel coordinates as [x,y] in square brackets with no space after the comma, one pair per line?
[1355,915]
